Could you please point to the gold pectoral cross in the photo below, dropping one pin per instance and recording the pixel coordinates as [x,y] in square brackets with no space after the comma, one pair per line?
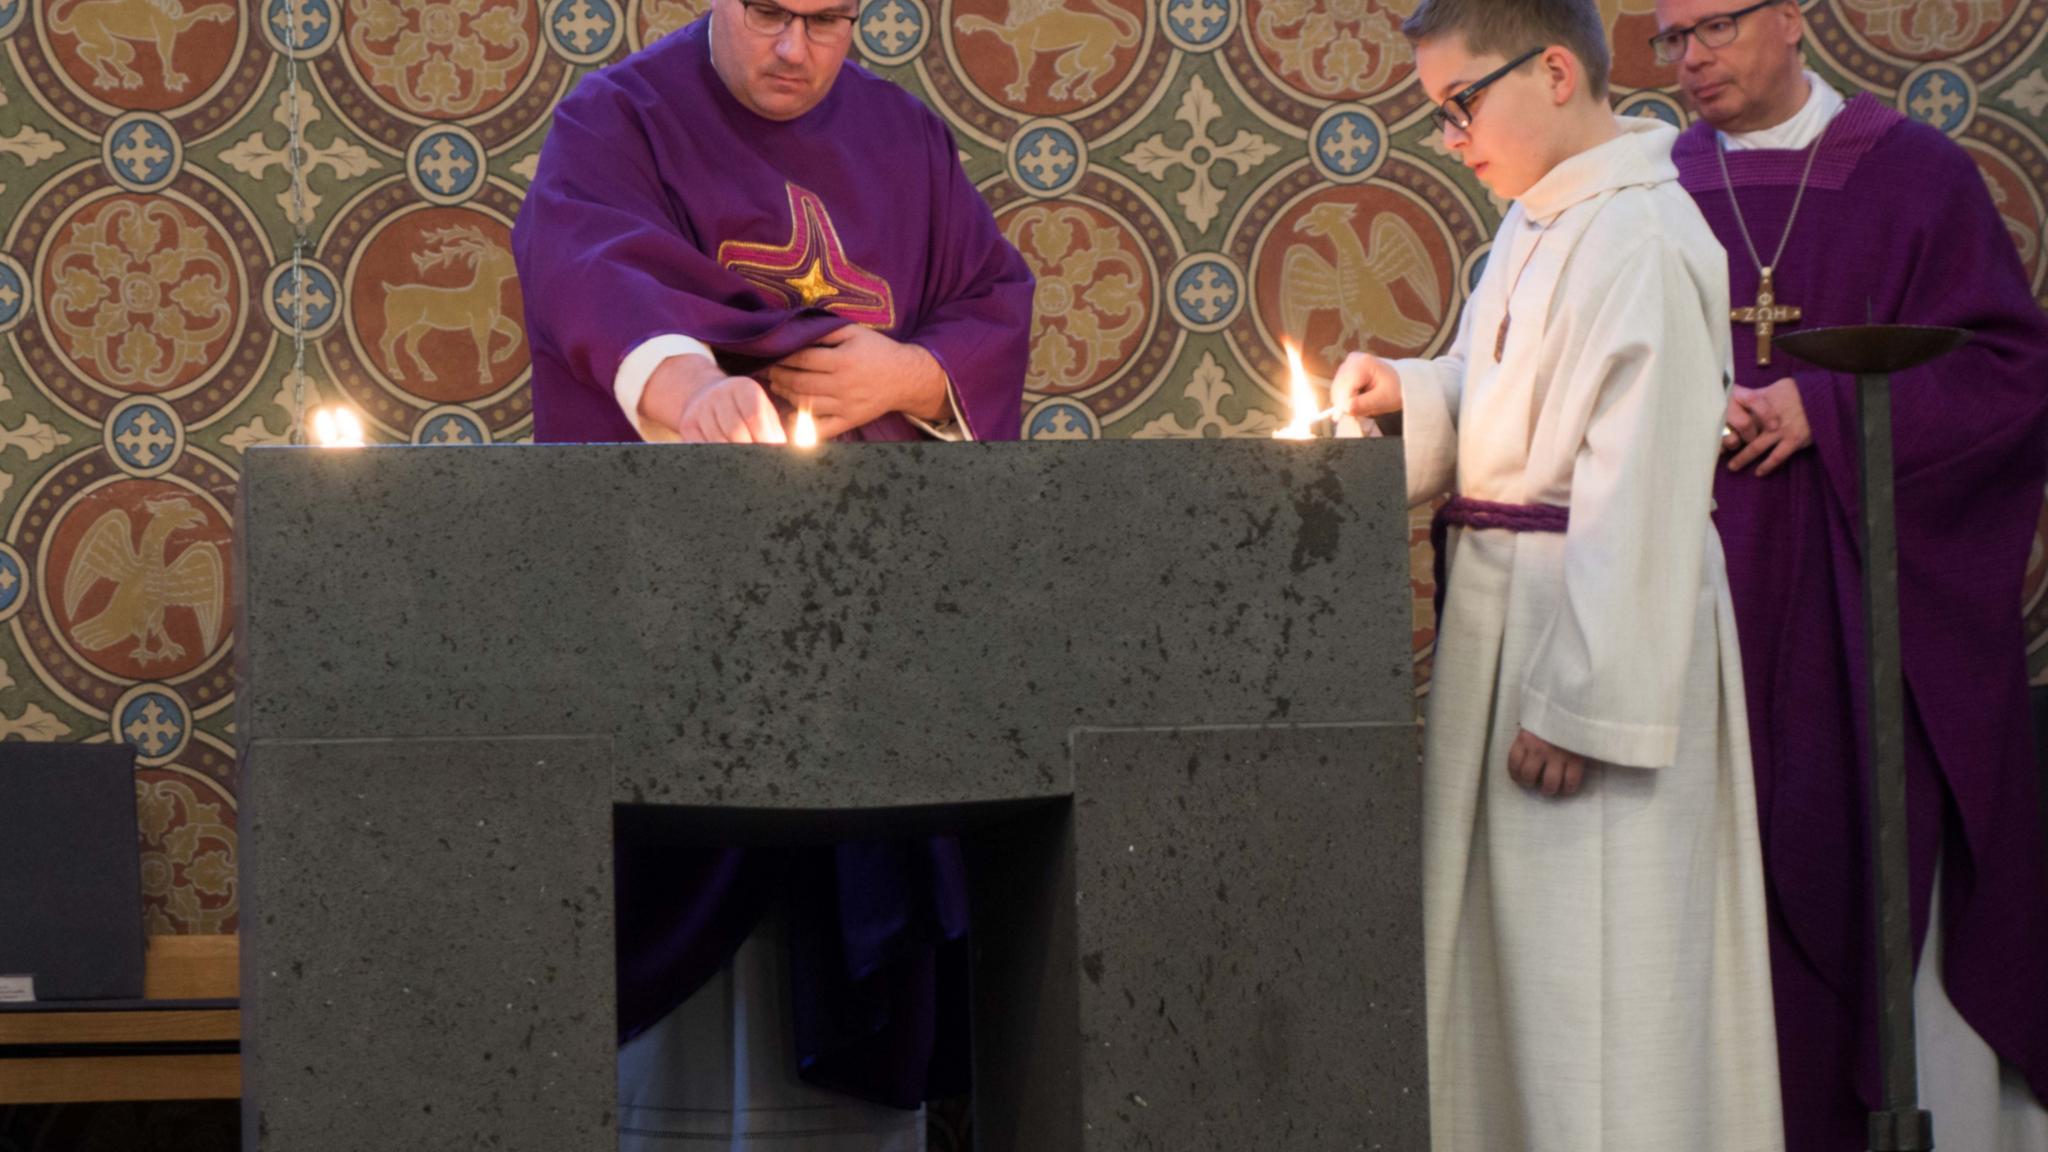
[1766,315]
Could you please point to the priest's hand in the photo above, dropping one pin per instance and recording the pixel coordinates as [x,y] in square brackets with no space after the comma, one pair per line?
[1366,386]
[1771,424]
[693,396]
[854,375]
[1536,763]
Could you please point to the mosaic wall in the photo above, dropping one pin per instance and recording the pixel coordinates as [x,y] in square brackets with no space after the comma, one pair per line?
[1188,178]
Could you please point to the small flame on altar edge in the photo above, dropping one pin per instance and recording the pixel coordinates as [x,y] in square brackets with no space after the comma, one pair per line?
[1301,400]
[805,434]
[337,426]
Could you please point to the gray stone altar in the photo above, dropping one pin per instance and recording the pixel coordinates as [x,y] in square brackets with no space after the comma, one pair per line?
[1162,689]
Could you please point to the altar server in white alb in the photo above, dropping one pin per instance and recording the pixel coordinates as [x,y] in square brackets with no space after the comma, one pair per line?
[1598,979]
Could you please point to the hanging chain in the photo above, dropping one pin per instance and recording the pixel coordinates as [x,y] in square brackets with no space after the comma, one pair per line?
[295,154]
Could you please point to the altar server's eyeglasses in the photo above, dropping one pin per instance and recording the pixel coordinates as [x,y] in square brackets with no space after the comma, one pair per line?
[1456,112]
[827,28]
[1714,32]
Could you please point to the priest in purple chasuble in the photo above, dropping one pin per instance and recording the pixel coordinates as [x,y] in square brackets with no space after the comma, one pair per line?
[773,212]
[1837,212]
[730,225]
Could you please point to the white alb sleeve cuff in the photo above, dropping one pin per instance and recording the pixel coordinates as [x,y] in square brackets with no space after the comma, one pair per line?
[630,382]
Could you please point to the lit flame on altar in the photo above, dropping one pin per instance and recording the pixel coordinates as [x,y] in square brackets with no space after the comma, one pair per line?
[337,426]
[805,433]
[1300,398]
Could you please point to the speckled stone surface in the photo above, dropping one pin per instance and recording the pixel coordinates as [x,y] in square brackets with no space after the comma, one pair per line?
[427,946]
[1215,945]
[1250,939]
[873,624]
[791,639]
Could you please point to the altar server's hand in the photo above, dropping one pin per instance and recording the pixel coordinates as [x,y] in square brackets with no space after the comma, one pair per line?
[1366,385]
[1777,418]
[1536,763]
[854,375]
[693,397]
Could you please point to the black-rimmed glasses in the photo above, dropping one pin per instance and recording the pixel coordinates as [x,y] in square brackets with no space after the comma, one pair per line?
[1456,110]
[1715,32]
[830,29]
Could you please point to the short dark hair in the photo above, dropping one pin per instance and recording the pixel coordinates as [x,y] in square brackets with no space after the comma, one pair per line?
[1510,27]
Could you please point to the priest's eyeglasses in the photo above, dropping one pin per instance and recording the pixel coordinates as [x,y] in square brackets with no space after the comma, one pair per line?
[830,29]
[1456,111]
[1715,32]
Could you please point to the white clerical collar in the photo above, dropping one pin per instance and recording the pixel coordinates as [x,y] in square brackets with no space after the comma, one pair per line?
[1822,103]
[1639,154]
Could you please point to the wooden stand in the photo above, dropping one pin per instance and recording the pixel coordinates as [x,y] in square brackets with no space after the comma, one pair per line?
[181,1042]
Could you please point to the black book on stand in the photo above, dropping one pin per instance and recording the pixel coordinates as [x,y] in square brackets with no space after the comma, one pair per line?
[70,873]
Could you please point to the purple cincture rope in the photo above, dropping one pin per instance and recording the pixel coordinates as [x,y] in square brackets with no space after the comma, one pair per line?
[1465,512]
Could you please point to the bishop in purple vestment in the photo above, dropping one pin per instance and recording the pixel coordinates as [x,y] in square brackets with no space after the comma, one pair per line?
[728,225]
[1861,215]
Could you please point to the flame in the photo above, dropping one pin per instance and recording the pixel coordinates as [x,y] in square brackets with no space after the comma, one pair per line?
[1301,398]
[805,434]
[337,427]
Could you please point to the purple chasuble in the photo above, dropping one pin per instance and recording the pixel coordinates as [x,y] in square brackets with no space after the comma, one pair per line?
[1896,227]
[662,205]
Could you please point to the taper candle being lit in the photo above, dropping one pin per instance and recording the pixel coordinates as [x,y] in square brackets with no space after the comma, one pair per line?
[805,432]
[1301,399]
